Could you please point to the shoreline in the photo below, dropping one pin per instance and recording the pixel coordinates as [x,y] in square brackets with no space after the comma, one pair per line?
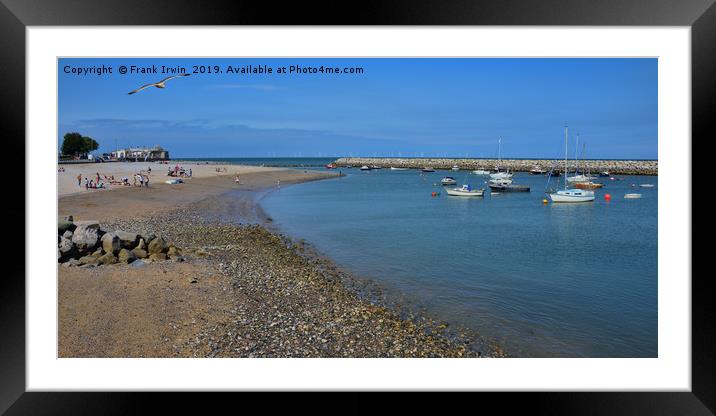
[248,261]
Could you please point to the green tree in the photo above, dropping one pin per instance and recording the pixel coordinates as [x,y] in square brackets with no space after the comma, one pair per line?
[75,144]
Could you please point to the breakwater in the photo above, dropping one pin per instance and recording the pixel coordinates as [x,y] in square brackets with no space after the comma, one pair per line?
[617,167]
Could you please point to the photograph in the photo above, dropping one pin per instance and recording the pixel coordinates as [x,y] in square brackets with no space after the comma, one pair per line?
[367,207]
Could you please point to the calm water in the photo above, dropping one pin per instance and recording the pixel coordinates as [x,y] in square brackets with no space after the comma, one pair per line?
[543,280]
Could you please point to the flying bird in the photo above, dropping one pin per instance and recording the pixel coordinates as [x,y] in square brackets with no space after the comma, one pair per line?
[160,84]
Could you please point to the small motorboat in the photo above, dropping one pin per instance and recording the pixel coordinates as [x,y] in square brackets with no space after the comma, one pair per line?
[537,171]
[646,185]
[588,185]
[364,167]
[501,175]
[632,196]
[604,174]
[612,178]
[393,168]
[428,170]
[465,190]
[481,172]
[448,180]
[331,166]
[455,167]
[375,167]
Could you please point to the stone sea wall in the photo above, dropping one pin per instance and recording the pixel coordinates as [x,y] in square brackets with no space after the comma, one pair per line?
[616,167]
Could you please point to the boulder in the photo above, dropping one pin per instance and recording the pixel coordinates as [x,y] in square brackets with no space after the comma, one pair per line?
[157,245]
[174,251]
[139,253]
[67,235]
[126,256]
[87,260]
[147,237]
[97,253]
[157,256]
[107,259]
[111,243]
[86,236]
[71,263]
[142,245]
[127,239]
[64,225]
[67,249]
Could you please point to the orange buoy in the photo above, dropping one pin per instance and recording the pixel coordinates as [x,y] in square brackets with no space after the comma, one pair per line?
[434,194]
[544,201]
[607,197]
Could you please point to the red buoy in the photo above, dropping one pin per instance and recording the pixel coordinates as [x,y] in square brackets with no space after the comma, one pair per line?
[434,194]
[607,197]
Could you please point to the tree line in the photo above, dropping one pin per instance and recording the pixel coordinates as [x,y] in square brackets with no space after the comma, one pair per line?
[75,144]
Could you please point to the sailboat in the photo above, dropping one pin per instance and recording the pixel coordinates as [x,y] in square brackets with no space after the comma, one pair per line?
[570,195]
[465,190]
[500,174]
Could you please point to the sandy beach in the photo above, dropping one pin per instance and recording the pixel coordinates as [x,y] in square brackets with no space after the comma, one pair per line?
[244,290]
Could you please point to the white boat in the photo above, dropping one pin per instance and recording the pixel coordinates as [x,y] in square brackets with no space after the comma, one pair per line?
[392,168]
[448,181]
[570,195]
[465,190]
[481,172]
[632,196]
[500,181]
[579,178]
[646,185]
[364,167]
[499,174]
[428,170]
[455,167]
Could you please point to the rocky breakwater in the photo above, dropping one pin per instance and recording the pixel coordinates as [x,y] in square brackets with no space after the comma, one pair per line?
[614,167]
[85,244]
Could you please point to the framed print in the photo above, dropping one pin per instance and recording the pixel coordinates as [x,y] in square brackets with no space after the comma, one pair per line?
[460,199]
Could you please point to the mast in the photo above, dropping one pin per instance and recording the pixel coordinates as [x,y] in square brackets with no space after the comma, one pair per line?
[576,158]
[565,156]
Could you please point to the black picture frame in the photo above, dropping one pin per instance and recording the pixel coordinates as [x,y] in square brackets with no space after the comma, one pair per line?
[16,15]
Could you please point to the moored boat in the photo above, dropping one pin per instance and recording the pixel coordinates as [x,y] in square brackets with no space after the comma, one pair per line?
[604,174]
[455,167]
[632,196]
[428,170]
[588,185]
[537,171]
[570,195]
[394,168]
[448,180]
[465,190]
[331,166]
[508,187]
[481,172]
[364,167]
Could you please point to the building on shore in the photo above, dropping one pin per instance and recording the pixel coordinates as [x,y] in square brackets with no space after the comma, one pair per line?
[141,154]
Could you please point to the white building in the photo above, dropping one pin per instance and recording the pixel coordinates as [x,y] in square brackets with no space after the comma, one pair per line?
[142,154]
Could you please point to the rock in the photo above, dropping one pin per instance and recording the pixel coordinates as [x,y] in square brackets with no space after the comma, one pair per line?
[97,253]
[64,225]
[111,243]
[86,236]
[147,237]
[201,252]
[127,239]
[107,259]
[139,253]
[176,258]
[157,245]
[67,235]
[126,256]
[173,251]
[71,263]
[67,249]
[87,260]
[157,256]
[141,245]
[192,280]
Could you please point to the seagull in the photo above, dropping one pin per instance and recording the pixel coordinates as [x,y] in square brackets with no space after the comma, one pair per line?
[160,84]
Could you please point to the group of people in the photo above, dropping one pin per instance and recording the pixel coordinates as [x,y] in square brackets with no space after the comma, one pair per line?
[179,171]
[103,181]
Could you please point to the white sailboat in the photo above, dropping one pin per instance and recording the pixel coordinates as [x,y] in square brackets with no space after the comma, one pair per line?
[570,195]
[499,174]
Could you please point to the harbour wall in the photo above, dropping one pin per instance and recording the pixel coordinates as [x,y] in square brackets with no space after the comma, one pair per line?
[616,167]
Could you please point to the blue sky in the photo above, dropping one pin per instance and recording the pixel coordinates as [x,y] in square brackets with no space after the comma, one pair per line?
[407,107]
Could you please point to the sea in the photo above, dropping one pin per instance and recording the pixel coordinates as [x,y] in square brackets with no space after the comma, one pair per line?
[540,279]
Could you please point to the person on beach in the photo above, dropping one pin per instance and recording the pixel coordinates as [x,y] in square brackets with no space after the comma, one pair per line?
[79,180]
[149,169]
[278,183]
[237,178]
[190,172]
[146,181]
[141,180]
[86,184]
